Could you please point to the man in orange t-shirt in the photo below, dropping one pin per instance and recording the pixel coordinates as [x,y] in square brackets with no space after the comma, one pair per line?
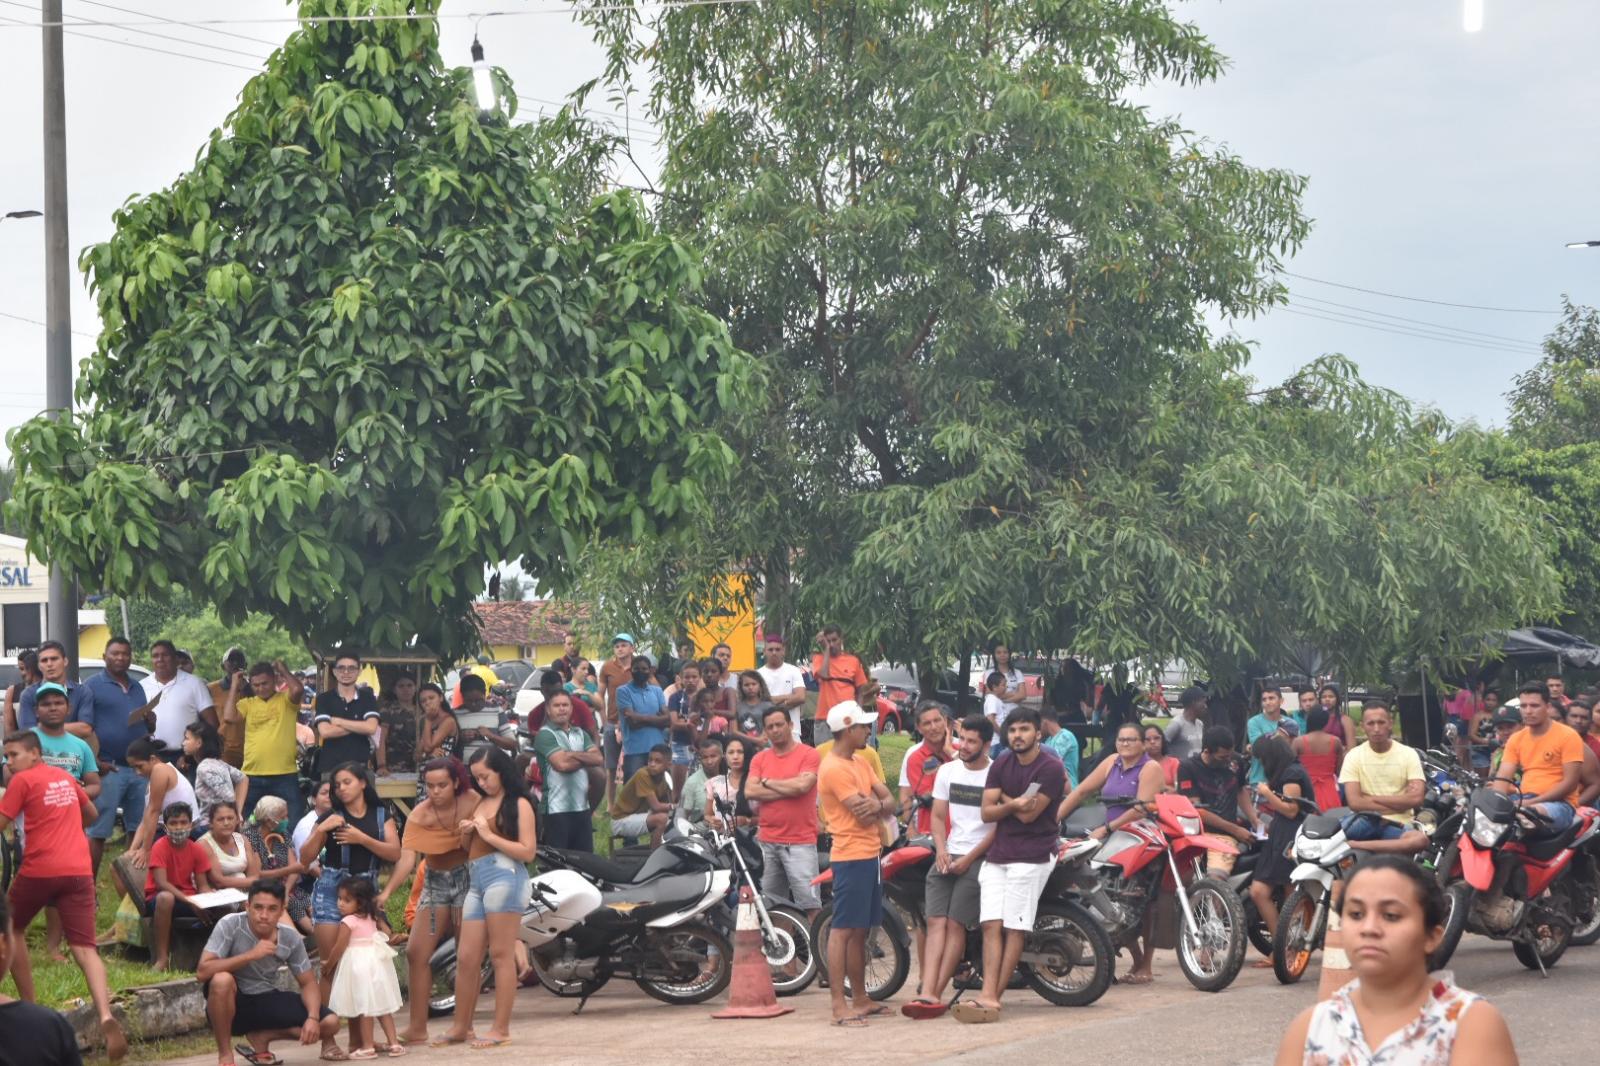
[838,673]
[1549,756]
[856,804]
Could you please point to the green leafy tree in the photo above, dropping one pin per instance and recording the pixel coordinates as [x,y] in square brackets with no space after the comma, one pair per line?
[8,478]
[363,347]
[207,637]
[1557,401]
[977,275]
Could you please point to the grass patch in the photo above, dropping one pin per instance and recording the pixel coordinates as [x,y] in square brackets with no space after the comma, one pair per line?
[892,750]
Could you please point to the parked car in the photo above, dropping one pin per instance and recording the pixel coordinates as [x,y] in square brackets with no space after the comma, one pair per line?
[11,673]
[514,673]
[900,687]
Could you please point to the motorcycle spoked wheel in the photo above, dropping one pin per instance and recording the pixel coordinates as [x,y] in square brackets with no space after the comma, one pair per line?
[1586,907]
[888,955]
[1212,955]
[798,969]
[701,959]
[1296,939]
[1084,956]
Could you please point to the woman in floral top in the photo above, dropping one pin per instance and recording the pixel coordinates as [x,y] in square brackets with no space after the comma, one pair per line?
[1394,1013]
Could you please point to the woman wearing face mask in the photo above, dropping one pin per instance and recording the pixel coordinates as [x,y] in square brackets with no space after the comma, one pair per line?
[1394,1012]
[234,863]
[500,836]
[352,841]
[433,832]
[266,837]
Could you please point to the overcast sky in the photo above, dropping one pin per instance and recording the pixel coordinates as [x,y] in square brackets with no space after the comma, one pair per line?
[1444,165]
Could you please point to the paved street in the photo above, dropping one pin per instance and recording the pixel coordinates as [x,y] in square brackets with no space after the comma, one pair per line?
[1168,1022]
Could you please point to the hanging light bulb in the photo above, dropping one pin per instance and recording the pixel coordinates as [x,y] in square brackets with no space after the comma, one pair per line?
[1472,16]
[482,79]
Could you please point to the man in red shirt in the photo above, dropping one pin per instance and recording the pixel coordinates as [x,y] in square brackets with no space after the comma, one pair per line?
[56,871]
[922,762]
[838,673]
[1580,716]
[784,779]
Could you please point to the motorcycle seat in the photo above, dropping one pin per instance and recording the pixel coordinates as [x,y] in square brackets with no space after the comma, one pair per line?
[599,867]
[1321,826]
[1548,848]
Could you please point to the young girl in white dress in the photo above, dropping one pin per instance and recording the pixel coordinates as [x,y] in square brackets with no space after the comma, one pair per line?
[365,985]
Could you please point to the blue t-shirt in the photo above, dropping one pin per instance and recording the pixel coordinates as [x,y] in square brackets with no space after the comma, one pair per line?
[109,707]
[68,753]
[1261,726]
[1064,745]
[647,700]
[77,697]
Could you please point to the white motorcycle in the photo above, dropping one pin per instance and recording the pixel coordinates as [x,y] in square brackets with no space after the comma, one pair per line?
[578,937]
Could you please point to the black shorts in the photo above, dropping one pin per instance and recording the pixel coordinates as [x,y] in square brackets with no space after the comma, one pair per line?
[269,1012]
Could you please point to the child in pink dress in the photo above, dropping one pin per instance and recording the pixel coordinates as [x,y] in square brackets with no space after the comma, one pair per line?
[365,985]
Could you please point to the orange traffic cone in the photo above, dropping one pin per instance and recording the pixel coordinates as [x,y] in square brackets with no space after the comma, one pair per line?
[1336,971]
[750,993]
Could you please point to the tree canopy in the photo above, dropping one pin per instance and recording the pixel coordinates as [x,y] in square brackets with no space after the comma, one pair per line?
[364,347]
[1556,402]
[977,274]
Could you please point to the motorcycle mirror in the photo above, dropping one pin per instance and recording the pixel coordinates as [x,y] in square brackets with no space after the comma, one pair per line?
[1450,731]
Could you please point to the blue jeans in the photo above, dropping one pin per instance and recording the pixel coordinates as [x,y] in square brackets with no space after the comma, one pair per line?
[119,787]
[1561,816]
[632,764]
[1371,827]
[285,786]
[499,886]
[325,896]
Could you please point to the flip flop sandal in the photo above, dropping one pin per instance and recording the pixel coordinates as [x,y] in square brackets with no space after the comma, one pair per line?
[397,1051]
[484,1043]
[854,1021]
[361,1054]
[974,1013]
[256,1058]
[922,1010]
[451,1041]
[334,1054]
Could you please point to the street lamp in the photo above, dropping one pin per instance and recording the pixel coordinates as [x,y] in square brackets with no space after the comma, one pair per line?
[1584,244]
[1472,16]
[22,214]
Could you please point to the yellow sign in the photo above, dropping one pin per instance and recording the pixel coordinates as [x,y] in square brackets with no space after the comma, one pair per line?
[733,623]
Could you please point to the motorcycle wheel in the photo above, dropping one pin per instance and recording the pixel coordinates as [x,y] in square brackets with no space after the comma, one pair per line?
[1070,932]
[888,952]
[1457,905]
[1296,939]
[1586,904]
[697,946]
[1547,949]
[1213,954]
[442,992]
[794,933]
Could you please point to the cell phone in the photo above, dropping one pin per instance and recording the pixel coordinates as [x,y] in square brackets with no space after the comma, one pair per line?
[1031,791]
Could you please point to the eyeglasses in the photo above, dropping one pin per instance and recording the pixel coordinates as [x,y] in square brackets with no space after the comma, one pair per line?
[346,667]
[1129,740]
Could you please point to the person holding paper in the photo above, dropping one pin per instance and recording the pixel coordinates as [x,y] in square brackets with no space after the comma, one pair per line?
[179,870]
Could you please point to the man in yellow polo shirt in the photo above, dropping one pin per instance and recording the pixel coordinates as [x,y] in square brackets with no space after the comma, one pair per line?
[269,715]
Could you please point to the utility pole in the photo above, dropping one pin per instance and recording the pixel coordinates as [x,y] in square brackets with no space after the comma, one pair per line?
[62,605]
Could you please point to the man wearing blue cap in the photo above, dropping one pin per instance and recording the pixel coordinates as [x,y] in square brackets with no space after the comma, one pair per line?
[617,671]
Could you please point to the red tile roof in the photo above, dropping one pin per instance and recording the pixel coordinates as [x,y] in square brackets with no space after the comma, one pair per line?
[525,622]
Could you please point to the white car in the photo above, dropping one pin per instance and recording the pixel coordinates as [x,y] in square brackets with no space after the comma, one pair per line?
[10,673]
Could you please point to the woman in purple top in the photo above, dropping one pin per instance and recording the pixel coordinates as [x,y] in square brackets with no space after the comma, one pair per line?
[1123,780]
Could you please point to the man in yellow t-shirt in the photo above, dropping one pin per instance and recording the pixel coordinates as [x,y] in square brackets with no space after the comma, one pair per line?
[1383,785]
[269,716]
[1548,754]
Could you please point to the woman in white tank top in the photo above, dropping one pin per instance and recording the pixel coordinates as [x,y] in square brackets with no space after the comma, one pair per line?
[148,758]
[1395,1013]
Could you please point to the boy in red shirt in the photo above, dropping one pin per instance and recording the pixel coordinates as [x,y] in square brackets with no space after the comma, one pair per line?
[56,871]
[178,870]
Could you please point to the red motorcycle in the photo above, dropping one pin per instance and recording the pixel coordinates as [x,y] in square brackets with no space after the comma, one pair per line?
[1508,877]
[1122,878]
[1067,958]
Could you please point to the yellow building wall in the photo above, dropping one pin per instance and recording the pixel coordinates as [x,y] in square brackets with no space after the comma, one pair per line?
[92,641]
[733,624]
[504,651]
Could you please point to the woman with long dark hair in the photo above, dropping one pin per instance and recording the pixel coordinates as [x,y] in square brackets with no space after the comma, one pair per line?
[500,844]
[354,840]
[729,786]
[1287,781]
[148,757]
[433,832]
[1321,753]
[214,780]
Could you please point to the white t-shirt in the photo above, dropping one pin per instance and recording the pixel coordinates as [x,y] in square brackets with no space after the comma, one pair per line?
[182,700]
[998,709]
[782,681]
[963,790]
[302,832]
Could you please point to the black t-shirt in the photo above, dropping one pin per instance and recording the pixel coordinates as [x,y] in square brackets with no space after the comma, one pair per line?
[337,751]
[31,1035]
[1214,788]
[353,858]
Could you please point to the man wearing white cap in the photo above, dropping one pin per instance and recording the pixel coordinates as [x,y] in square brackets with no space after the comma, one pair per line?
[858,807]
[617,671]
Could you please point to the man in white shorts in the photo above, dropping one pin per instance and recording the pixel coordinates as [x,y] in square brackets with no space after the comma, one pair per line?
[1022,789]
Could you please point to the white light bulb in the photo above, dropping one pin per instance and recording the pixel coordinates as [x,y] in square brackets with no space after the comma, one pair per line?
[482,80]
[1472,15]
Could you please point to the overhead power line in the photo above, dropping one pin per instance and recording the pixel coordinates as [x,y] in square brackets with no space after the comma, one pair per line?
[42,325]
[1296,297]
[1403,332]
[1420,299]
[152,33]
[5,21]
[473,16]
[176,22]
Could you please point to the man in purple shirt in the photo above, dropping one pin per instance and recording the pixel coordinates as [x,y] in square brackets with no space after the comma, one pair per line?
[1024,786]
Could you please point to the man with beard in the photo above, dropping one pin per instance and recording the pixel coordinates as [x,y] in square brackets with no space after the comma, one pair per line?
[960,838]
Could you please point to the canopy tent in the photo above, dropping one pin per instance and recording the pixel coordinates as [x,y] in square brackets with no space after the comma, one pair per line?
[1543,643]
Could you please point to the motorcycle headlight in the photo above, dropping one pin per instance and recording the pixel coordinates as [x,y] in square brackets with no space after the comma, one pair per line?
[1190,826]
[1486,832]
[1307,849]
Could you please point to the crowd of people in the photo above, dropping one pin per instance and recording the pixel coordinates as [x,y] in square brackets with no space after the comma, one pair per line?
[256,785]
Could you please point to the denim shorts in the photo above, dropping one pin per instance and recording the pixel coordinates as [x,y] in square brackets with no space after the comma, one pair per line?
[682,754]
[857,894]
[499,886]
[1364,826]
[444,888]
[325,896]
